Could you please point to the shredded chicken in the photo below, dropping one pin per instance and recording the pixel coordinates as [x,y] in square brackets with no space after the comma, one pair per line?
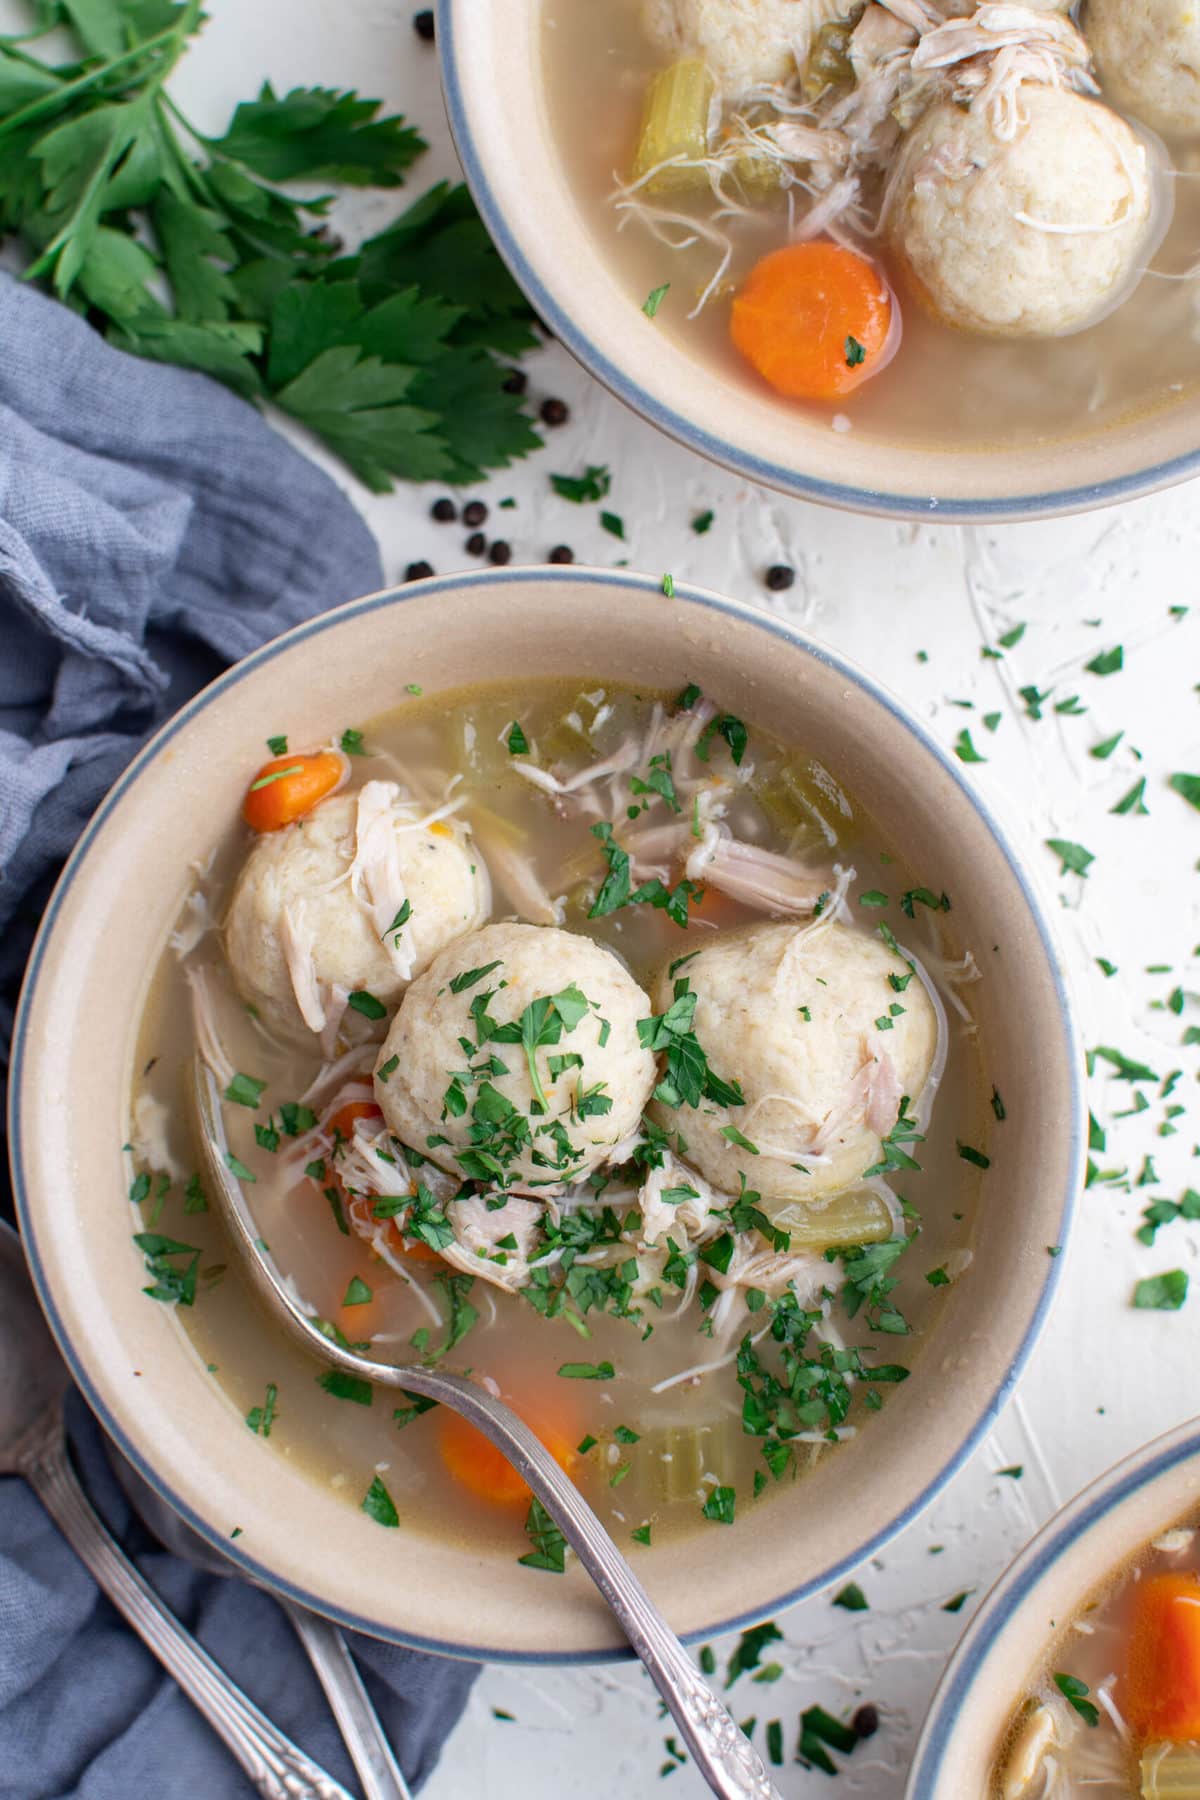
[376,880]
[760,878]
[298,943]
[151,1139]
[516,875]
[687,1220]
[204,1020]
[477,1233]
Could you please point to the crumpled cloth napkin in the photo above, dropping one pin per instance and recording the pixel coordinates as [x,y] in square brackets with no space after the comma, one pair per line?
[152,529]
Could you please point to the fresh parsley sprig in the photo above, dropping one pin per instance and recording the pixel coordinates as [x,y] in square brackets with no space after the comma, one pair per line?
[182,248]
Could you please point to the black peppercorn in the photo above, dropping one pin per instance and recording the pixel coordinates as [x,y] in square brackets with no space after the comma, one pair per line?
[417,571]
[515,382]
[474,513]
[476,544]
[423,25]
[500,553]
[865,1722]
[562,553]
[554,412]
[779,577]
[443,511]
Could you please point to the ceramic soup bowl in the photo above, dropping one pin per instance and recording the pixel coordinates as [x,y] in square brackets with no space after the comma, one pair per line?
[74,1060]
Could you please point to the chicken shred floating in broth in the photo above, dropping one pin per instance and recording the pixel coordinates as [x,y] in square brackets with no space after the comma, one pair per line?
[940,222]
[596,1044]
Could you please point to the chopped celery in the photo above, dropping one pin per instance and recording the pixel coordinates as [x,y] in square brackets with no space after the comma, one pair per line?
[829,64]
[793,804]
[856,1217]
[669,1463]
[675,126]
[1171,1772]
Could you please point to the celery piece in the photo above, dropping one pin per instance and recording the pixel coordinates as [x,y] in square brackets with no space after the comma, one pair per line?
[1171,1772]
[829,64]
[858,1216]
[675,126]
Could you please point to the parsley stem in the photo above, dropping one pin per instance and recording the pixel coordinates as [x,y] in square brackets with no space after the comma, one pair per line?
[49,103]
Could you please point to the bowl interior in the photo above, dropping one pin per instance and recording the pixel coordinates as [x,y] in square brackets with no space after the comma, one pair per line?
[1049,1582]
[76,1038]
[492,62]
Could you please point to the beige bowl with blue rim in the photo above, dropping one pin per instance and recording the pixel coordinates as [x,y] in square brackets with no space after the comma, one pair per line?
[73,1063]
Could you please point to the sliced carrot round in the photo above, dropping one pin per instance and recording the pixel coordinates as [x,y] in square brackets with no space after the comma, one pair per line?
[814,319]
[1161,1699]
[475,1462]
[290,786]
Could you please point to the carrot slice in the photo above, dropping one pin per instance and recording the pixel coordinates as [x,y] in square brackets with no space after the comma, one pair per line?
[813,319]
[475,1461]
[290,786]
[1162,1682]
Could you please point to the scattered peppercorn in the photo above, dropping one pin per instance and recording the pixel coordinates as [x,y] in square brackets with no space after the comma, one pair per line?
[865,1722]
[500,553]
[444,511]
[474,512]
[554,412]
[423,25]
[476,544]
[779,577]
[562,553]
[418,571]
[515,382]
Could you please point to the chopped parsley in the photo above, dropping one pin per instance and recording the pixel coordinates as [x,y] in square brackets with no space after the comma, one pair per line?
[703,522]
[1075,859]
[261,1418]
[582,1371]
[1188,787]
[965,750]
[357,1292]
[400,921]
[344,1386]
[851,1598]
[654,299]
[549,1545]
[721,1505]
[278,746]
[1104,750]
[593,484]
[378,1504]
[1162,1293]
[172,1281]
[244,1090]
[614,524]
[1108,662]
[360,1001]
[855,353]
[518,743]
[1134,801]
[1076,1694]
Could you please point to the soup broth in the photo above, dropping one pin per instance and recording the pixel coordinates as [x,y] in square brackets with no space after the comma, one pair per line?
[943,385]
[1116,1709]
[654,1366]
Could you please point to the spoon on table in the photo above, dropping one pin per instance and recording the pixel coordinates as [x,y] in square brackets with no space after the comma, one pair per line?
[721,1751]
[33,1444]
[375,1764]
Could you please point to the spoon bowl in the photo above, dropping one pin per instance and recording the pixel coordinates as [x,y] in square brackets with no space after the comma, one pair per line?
[721,1750]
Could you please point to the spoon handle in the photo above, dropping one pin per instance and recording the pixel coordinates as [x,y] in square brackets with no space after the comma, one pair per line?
[277,1767]
[378,1771]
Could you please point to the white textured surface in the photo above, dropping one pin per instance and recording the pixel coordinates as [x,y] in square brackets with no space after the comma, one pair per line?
[1105,1377]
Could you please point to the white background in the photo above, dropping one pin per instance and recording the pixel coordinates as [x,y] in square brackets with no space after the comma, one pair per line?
[1105,1377]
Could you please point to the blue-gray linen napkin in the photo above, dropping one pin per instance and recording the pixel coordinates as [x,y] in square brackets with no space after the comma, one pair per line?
[153,528]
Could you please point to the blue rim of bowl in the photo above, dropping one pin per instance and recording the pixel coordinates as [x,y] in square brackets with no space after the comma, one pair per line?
[1021,1578]
[313,628]
[677,425]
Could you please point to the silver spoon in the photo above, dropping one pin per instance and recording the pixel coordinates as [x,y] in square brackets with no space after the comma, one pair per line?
[721,1751]
[33,1444]
[379,1774]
